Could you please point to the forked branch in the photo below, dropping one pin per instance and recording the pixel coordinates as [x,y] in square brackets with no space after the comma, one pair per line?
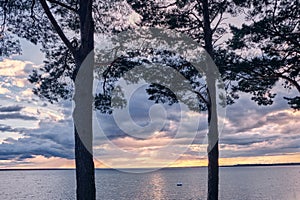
[57,26]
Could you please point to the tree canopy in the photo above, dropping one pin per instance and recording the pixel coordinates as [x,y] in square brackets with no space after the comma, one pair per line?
[157,92]
[57,30]
[260,53]
[265,51]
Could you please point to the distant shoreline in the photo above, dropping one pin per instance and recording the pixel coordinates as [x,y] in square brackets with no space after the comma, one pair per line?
[262,165]
[237,165]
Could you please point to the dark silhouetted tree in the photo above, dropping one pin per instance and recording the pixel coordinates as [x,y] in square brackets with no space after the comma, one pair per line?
[106,101]
[203,22]
[265,51]
[65,29]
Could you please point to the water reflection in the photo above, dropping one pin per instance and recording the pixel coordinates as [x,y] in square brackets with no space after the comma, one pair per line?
[235,183]
[157,180]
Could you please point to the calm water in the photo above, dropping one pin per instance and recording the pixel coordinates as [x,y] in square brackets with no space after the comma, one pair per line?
[274,183]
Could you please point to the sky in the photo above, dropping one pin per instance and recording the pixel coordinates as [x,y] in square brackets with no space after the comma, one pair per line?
[37,134]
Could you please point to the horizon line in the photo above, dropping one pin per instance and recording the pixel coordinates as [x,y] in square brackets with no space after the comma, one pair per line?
[142,168]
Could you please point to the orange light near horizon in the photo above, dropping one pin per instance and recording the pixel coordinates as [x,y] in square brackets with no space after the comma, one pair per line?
[40,162]
[287,158]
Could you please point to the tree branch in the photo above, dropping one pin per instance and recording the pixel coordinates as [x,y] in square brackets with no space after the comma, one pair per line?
[56,26]
[4,17]
[220,10]
[32,11]
[293,82]
[166,6]
[201,97]
[273,15]
[63,5]
[197,18]
[218,23]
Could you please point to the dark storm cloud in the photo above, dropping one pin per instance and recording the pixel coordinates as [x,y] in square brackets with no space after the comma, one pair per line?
[59,133]
[56,138]
[246,139]
[139,109]
[13,112]
[246,115]
[10,108]
[5,128]
[24,156]
[24,148]
[14,163]
[16,116]
[140,116]
[252,130]
[17,156]
[109,127]
[262,151]
[245,109]
[49,140]
[259,145]
[240,136]
[291,144]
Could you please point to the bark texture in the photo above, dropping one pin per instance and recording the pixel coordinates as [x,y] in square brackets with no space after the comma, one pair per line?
[213,134]
[84,58]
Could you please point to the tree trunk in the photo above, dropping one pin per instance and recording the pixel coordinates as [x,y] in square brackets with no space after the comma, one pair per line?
[82,114]
[85,178]
[213,153]
[213,134]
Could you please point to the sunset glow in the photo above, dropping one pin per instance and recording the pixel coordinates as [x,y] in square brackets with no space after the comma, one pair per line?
[36,134]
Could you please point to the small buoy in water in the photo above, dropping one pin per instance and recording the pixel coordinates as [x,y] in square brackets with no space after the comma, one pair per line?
[179,184]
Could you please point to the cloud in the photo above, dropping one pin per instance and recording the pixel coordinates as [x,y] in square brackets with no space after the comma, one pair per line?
[6,128]
[14,84]
[47,141]
[260,131]
[15,108]
[32,129]
[15,68]
[249,131]
[60,132]
[16,116]
[13,112]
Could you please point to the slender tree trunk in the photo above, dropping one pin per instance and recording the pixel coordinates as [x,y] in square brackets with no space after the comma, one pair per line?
[85,180]
[84,58]
[82,114]
[213,134]
[213,149]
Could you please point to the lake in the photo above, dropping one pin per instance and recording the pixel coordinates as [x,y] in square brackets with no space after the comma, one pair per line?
[236,183]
